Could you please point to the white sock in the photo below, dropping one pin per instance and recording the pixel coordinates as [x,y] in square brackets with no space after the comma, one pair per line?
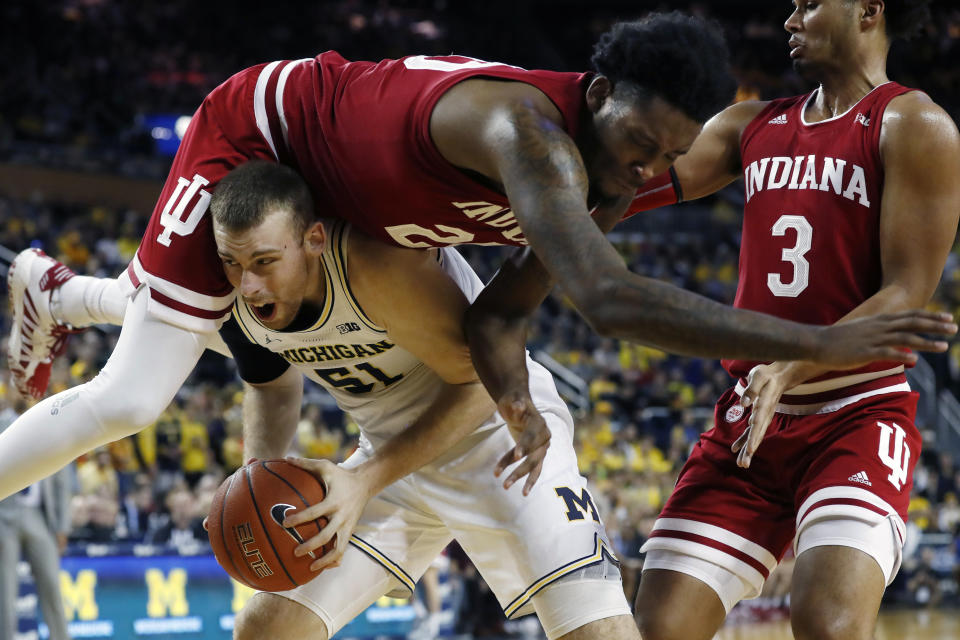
[83,300]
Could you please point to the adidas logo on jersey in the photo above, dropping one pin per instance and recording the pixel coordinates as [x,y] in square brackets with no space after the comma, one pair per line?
[861,477]
[780,119]
[862,119]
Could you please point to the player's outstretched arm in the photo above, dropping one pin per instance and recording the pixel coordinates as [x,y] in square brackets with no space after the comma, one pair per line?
[544,177]
[920,206]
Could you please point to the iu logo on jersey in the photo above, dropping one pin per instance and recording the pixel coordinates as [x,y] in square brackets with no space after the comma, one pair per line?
[172,220]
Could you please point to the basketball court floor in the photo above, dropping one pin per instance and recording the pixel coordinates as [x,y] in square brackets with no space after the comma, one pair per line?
[922,624]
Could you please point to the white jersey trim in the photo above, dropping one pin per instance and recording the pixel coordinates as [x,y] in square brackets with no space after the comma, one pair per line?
[179,293]
[803,109]
[818,408]
[281,83]
[260,105]
[843,381]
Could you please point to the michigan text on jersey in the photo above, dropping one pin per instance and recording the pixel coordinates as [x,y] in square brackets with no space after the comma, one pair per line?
[331,352]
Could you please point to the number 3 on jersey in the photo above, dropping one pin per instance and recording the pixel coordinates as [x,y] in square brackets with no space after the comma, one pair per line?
[794,255]
[171,218]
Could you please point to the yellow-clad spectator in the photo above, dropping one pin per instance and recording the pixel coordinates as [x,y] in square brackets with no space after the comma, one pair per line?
[194,447]
[96,475]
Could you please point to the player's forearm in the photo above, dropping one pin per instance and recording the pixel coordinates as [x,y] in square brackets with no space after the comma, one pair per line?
[498,350]
[652,312]
[889,299]
[270,419]
[455,413]
[496,324]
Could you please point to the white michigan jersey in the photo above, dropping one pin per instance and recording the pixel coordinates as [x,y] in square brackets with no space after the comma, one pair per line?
[522,545]
[381,385]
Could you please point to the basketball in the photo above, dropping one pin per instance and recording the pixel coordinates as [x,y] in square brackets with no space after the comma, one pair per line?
[245,529]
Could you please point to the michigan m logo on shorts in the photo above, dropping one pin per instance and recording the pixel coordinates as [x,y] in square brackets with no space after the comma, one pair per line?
[577,506]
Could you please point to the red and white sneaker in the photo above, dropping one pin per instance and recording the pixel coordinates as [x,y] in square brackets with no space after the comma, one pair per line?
[36,338]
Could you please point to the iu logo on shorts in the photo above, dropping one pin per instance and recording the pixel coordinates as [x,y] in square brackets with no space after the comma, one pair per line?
[895,454]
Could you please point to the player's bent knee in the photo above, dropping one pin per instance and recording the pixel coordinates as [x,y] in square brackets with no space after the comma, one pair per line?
[122,418]
[682,596]
[267,615]
[841,625]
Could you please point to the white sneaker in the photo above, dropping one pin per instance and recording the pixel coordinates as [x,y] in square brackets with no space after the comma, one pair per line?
[36,338]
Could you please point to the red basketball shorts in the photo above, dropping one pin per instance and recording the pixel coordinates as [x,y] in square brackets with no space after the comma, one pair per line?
[853,464]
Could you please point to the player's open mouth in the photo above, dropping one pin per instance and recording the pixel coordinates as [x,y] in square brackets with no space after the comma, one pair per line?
[265,311]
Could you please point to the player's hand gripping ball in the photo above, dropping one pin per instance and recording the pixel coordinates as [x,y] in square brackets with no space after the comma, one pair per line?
[246,530]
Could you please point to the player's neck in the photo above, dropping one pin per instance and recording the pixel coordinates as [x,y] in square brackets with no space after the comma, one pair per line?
[841,89]
[317,290]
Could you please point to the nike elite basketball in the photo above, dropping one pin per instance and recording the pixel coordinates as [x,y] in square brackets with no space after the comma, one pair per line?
[246,530]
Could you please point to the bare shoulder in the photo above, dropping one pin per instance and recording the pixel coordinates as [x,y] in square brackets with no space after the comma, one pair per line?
[742,113]
[733,121]
[372,263]
[914,118]
[480,98]
[465,116]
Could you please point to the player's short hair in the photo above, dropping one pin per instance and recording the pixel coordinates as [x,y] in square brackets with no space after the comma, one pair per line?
[245,195]
[682,59]
[905,18]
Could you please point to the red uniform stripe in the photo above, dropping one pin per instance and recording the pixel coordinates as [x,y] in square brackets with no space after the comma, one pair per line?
[710,542]
[848,501]
[187,309]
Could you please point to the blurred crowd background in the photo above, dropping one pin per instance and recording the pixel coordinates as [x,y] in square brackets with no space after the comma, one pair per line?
[88,87]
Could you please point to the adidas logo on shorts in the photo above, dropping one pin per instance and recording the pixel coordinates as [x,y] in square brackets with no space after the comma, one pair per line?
[780,119]
[860,477]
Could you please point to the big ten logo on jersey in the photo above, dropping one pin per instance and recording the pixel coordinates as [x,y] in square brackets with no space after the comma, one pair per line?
[171,218]
[578,506]
[894,452]
[347,327]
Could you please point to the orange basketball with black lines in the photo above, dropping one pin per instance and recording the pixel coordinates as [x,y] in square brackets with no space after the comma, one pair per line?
[245,528]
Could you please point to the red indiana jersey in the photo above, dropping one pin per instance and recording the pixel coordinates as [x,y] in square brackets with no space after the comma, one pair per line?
[358,132]
[810,249]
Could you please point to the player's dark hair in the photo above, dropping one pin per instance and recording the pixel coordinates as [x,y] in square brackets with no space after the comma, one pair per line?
[680,58]
[905,18]
[245,195]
